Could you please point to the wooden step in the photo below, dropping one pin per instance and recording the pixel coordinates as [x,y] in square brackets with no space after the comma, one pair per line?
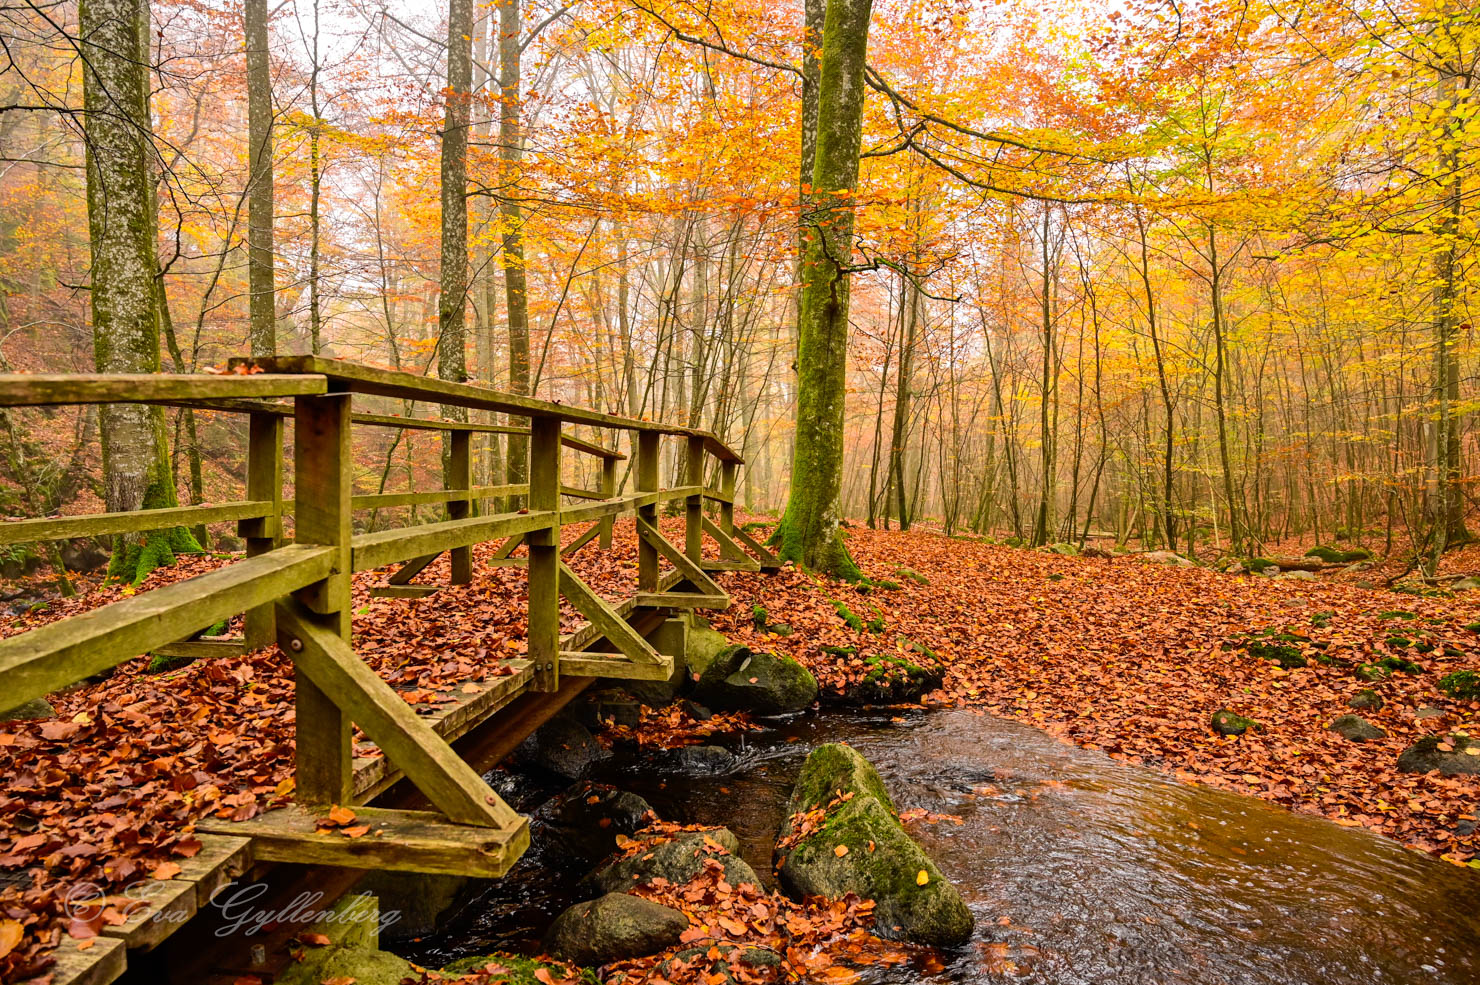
[403,841]
[586,663]
[682,600]
[100,963]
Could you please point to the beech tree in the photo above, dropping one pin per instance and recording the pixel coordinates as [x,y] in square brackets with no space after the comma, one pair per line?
[809,533]
[125,297]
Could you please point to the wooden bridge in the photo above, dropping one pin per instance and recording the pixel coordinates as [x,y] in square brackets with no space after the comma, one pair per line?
[432,810]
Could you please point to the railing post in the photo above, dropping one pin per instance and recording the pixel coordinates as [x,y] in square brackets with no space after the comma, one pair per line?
[608,491]
[727,490]
[459,475]
[693,530]
[544,553]
[647,481]
[264,483]
[321,515]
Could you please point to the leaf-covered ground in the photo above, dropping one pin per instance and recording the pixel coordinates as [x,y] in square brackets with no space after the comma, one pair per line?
[1117,654]
[1129,657]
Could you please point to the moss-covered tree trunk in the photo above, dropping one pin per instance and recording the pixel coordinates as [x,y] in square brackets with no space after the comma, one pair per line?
[452,342]
[516,300]
[263,303]
[136,463]
[809,533]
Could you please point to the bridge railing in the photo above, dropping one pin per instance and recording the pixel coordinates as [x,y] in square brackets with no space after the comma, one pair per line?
[298,593]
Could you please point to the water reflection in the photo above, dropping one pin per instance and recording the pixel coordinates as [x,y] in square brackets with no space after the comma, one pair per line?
[1078,868]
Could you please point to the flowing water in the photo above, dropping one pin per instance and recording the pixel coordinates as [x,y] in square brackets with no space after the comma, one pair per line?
[1079,868]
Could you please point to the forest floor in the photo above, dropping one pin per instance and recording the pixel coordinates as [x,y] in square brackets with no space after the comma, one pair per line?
[1133,658]
[1120,655]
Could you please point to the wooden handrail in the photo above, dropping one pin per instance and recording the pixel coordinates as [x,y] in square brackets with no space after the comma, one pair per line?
[408,386]
[50,390]
[36,663]
[137,521]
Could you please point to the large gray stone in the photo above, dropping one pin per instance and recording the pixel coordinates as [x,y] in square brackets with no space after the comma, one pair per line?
[614,927]
[857,845]
[739,679]
[1355,728]
[586,820]
[33,710]
[1459,757]
[677,858]
[562,746]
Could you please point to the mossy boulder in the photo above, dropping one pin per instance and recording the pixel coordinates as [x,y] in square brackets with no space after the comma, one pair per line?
[703,643]
[857,845]
[1452,755]
[1337,555]
[514,969]
[1355,728]
[1371,672]
[739,679]
[676,857]
[1366,700]
[586,819]
[352,928]
[893,678]
[1462,684]
[614,927]
[1226,722]
[830,771]
[362,965]
[1276,646]
[1067,550]
[910,574]
[1400,663]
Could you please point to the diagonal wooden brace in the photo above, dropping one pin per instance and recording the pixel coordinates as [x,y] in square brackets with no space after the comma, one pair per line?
[508,547]
[727,544]
[768,559]
[607,619]
[583,539]
[686,567]
[411,569]
[427,760]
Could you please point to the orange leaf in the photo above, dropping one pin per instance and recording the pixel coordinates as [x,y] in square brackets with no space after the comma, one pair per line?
[10,935]
[840,851]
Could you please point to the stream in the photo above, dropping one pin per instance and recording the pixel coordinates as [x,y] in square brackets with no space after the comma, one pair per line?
[1079,868]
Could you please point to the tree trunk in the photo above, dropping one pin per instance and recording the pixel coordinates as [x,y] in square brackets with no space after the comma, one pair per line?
[452,346]
[515,285]
[899,436]
[136,461]
[808,532]
[263,331]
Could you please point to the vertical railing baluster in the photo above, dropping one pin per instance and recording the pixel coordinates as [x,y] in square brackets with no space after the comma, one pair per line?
[727,472]
[647,482]
[693,530]
[322,480]
[544,553]
[459,475]
[263,533]
[608,491]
